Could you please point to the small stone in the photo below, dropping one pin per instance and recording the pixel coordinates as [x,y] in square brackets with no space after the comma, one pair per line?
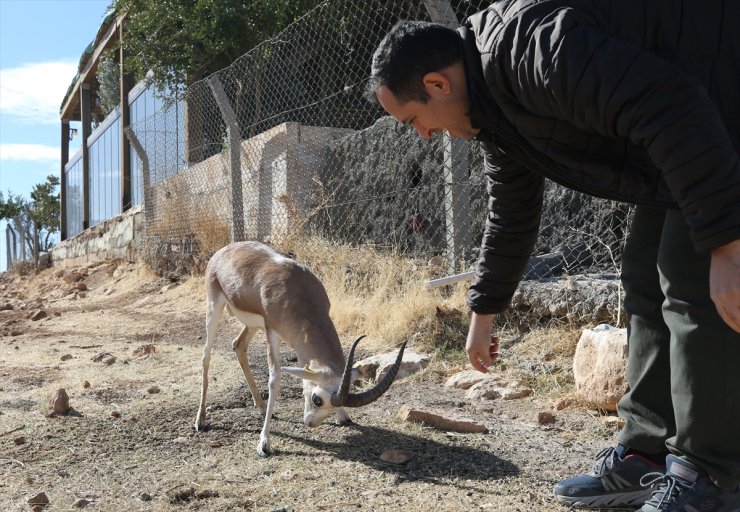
[144,351]
[115,414]
[180,440]
[66,357]
[19,440]
[153,390]
[614,422]
[81,503]
[38,315]
[105,358]
[85,384]
[145,496]
[40,499]
[396,456]
[545,417]
[81,286]
[563,403]
[30,480]
[59,403]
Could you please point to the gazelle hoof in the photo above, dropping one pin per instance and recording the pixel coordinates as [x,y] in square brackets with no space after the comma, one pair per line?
[263,451]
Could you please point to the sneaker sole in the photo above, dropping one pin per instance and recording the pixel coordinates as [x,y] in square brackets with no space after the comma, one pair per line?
[620,500]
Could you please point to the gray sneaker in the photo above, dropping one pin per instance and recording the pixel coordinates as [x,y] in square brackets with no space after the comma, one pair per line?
[687,488]
[614,482]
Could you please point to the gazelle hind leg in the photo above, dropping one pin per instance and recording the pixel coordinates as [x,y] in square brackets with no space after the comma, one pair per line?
[273,362]
[213,316]
[240,345]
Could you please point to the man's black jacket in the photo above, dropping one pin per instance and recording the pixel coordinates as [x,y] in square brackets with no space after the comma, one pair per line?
[637,101]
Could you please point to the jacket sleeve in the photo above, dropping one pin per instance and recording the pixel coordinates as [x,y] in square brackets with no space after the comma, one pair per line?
[571,71]
[514,209]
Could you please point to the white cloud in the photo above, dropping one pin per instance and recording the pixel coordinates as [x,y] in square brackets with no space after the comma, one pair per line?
[33,93]
[30,152]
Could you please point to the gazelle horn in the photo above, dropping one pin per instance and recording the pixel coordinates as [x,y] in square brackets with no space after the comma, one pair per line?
[343,398]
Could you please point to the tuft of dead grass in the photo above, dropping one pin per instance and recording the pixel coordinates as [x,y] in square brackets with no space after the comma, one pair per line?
[384,295]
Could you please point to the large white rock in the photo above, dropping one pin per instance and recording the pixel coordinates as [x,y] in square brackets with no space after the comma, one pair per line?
[376,367]
[600,366]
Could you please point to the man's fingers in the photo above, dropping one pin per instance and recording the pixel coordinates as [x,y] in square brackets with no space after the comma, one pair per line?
[479,362]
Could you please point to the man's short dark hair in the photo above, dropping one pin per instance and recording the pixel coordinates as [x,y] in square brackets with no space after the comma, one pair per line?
[408,52]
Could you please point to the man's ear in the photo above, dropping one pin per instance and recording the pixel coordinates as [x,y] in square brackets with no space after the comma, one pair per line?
[436,83]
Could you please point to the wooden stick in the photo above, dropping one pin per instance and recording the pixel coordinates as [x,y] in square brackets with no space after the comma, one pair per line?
[11,431]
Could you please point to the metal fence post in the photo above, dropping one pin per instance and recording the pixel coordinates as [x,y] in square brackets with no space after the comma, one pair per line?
[456,167]
[146,179]
[232,128]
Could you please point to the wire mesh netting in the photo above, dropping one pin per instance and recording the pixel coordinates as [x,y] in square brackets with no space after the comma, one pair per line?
[282,147]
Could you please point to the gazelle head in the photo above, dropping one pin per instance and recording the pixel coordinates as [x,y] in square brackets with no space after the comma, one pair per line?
[325,393]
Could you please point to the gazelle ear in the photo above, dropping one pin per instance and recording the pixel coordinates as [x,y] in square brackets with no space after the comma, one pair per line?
[302,373]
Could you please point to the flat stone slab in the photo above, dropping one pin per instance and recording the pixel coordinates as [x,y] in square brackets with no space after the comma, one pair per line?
[441,421]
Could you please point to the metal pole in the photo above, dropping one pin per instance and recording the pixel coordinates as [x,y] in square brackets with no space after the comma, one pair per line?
[232,128]
[86,109]
[458,217]
[465,276]
[127,83]
[149,206]
[63,180]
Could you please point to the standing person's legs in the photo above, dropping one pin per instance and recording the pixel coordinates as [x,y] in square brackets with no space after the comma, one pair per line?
[647,406]
[705,360]
[615,480]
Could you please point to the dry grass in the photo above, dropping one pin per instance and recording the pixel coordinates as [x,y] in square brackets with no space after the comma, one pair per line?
[384,296]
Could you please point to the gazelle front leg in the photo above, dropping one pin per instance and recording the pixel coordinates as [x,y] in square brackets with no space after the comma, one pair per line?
[213,316]
[273,362]
[240,345]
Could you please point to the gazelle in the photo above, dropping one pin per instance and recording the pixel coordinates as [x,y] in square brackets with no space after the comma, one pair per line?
[265,290]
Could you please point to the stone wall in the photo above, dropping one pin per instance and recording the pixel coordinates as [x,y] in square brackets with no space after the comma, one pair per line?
[119,237]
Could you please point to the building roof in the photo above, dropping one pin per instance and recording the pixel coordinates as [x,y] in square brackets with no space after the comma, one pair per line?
[105,38]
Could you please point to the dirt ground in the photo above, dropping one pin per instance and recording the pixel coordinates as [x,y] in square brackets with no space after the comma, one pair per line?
[128,443]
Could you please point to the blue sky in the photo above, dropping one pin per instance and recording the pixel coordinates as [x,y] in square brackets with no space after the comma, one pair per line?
[41,42]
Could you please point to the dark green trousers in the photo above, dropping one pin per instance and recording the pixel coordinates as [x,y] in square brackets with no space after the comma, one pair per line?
[684,361]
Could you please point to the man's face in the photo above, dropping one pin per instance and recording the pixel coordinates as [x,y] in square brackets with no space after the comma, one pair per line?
[444,110]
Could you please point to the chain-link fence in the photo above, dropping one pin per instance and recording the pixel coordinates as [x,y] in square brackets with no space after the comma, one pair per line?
[282,147]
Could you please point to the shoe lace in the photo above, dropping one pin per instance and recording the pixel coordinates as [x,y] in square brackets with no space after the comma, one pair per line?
[665,493]
[606,459]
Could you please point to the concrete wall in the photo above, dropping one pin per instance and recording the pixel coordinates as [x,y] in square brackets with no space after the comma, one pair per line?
[277,170]
[119,237]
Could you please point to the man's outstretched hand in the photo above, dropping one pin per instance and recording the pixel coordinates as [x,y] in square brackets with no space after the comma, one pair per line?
[481,346]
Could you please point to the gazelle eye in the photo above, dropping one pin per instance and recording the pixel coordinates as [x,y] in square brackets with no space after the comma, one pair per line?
[316,399]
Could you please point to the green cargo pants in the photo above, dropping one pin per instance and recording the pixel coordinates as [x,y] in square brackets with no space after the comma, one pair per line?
[684,361]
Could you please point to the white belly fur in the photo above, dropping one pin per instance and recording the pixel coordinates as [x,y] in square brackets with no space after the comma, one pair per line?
[249,319]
